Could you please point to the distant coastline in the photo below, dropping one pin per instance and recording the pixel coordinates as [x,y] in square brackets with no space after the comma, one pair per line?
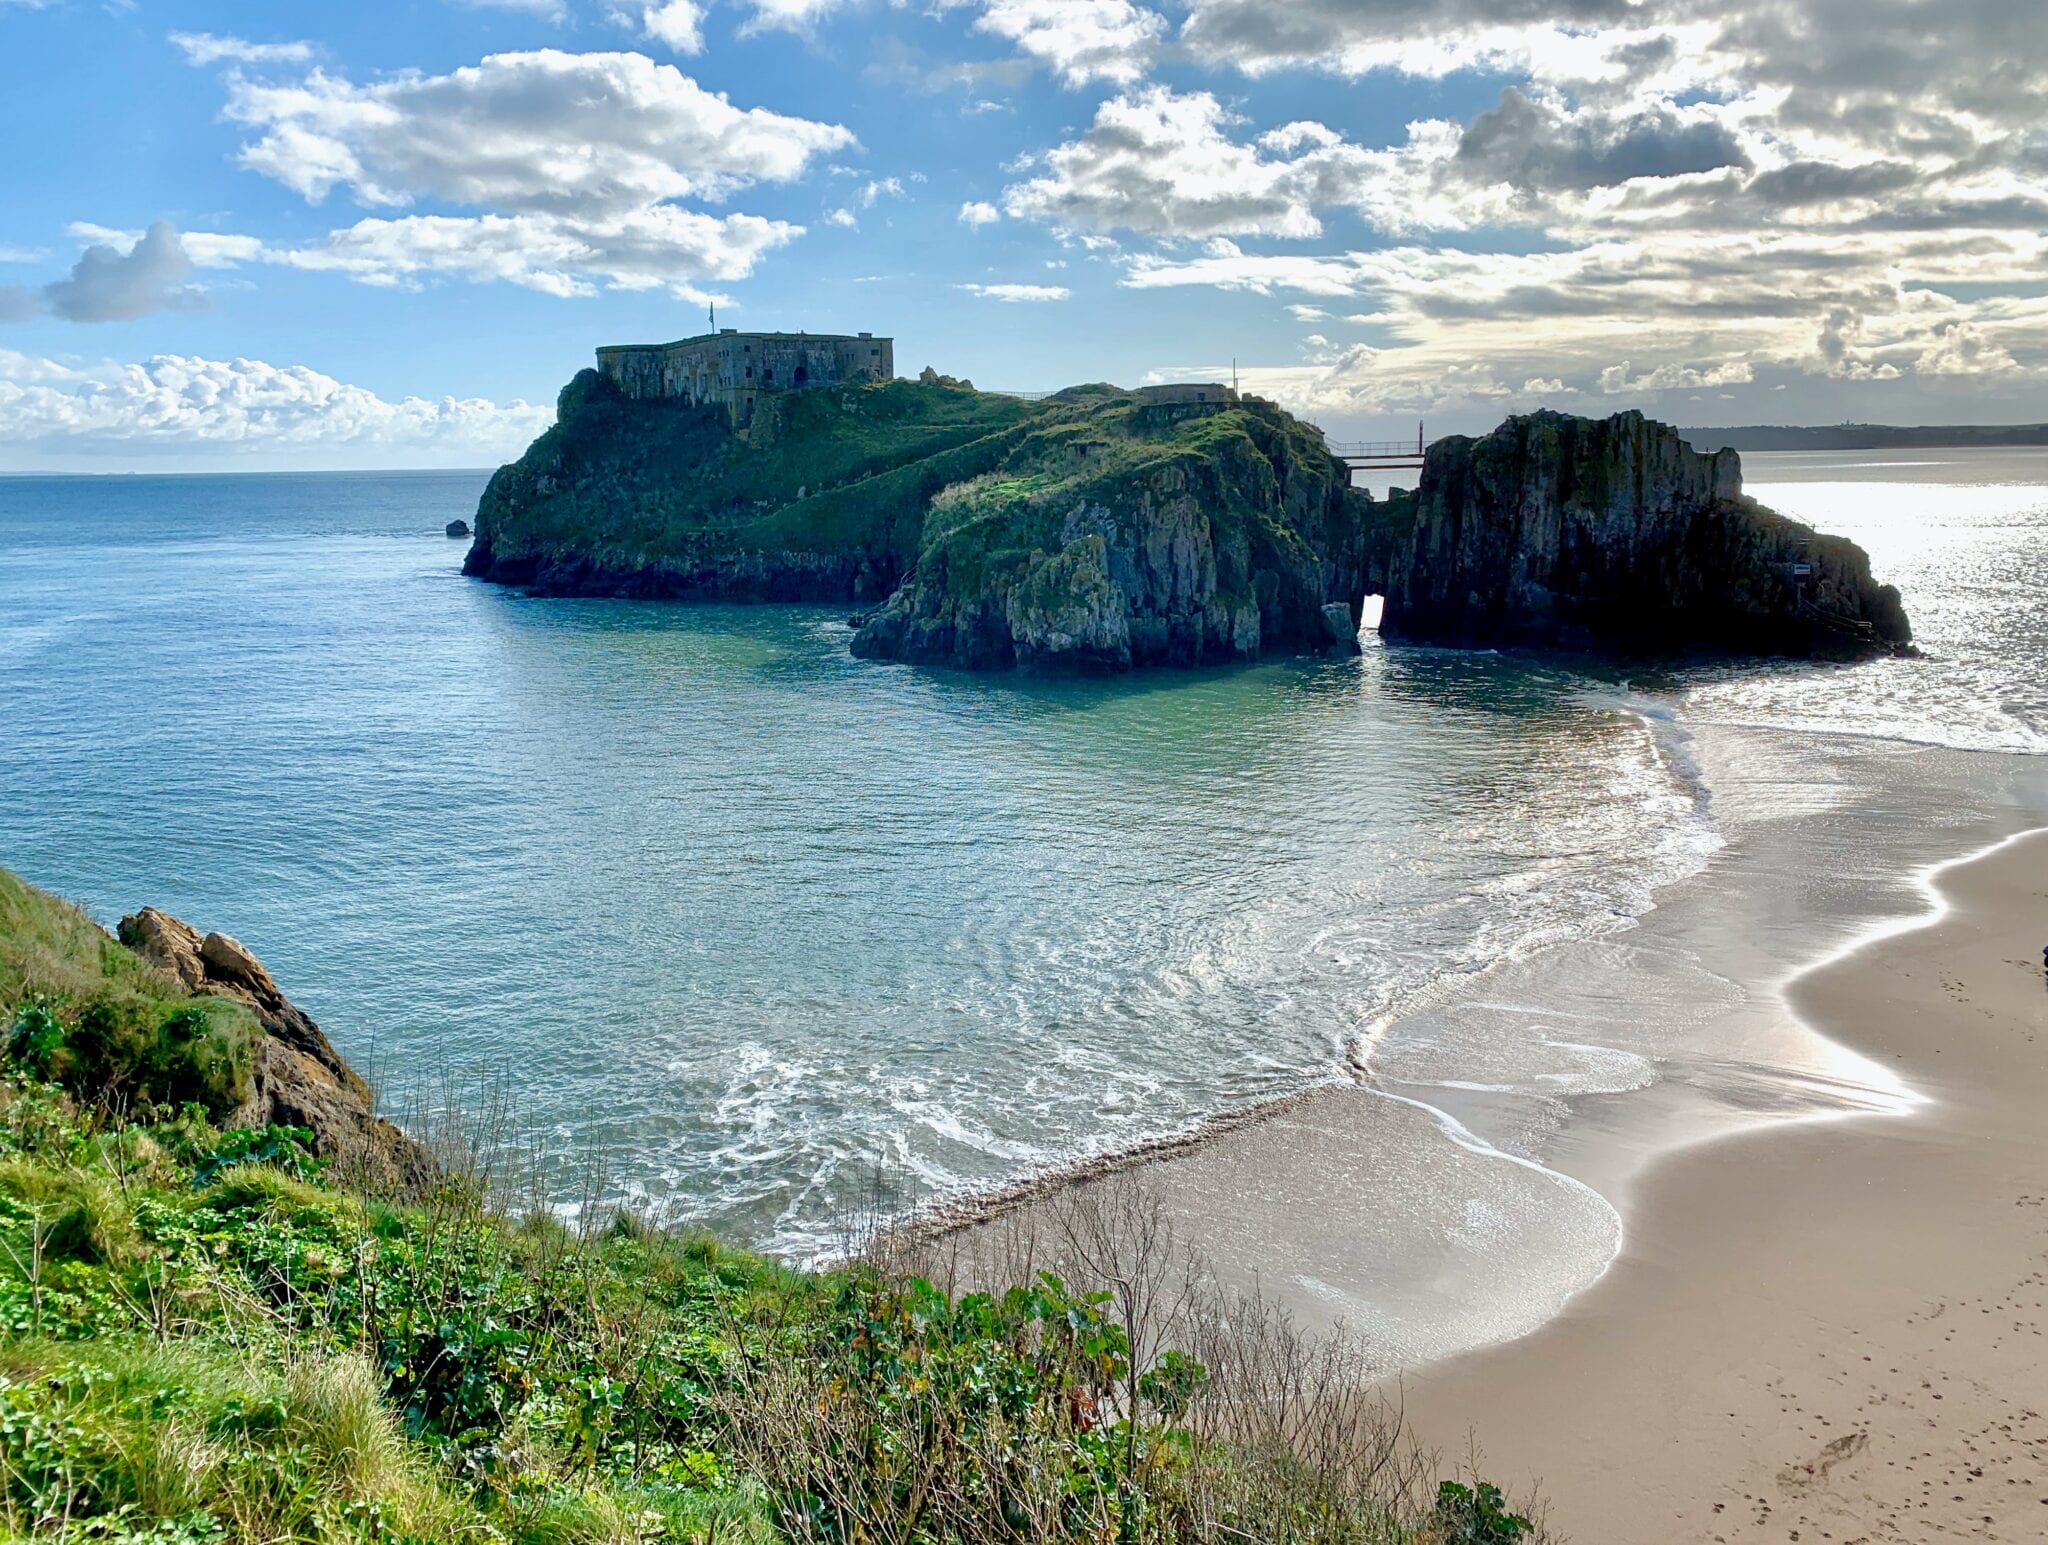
[1864,437]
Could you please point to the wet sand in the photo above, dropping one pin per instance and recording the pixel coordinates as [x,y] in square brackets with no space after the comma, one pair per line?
[1829,1330]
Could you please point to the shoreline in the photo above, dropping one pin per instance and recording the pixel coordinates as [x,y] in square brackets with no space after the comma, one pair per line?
[1767,1352]
[1291,1197]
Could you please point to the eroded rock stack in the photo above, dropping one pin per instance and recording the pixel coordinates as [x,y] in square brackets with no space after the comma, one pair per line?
[1614,532]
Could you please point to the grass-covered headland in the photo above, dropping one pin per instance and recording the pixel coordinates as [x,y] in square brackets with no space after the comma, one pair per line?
[205,1336]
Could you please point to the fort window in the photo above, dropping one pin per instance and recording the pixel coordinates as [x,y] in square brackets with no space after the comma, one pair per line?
[802,375]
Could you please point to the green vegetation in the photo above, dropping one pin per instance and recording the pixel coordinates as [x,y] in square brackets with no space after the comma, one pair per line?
[1112,454]
[203,1339]
[128,1034]
[624,488]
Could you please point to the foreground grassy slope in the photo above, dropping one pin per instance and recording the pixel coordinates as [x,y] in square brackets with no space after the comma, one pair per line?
[133,1034]
[202,1339]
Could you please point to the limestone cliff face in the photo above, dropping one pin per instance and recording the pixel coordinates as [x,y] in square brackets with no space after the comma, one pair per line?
[300,1079]
[1587,533]
[1134,536]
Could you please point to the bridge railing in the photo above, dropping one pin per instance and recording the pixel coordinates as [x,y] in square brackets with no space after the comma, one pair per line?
[1376,448]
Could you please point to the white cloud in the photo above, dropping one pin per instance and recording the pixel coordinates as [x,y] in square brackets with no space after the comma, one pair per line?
[842,217]
[1685,311]
[204,48]
[1669,377]
[121,277]
[206,249]
[1017,292]
[545,130]
[576,162]
[1710,189]
[978,212]
[1353,37]
[880,188]
[180,406]
[660,247]
[108,285]
[677,24]
[1163,163]
[1080,41]
[1961,349]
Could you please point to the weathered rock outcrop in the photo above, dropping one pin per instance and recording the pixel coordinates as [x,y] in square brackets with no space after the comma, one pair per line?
[299,1078]
[1615,533]
[1120,535]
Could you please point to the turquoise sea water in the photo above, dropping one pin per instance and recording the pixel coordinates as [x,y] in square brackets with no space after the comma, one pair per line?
[753,922]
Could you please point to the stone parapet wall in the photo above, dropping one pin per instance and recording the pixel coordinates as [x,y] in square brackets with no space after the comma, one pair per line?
[730,367]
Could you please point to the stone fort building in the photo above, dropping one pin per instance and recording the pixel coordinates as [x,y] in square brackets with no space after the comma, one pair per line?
[729,367]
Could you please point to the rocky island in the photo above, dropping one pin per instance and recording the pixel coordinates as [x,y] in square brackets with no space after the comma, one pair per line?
[1614,533]
[1104,528]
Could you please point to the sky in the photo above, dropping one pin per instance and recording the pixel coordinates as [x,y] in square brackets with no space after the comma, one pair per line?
[240,234]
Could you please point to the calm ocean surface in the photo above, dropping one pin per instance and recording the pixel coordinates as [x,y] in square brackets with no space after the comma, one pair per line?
[754,922]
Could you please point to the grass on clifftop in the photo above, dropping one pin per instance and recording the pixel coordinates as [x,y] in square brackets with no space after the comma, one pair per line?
[202,1340]
[133,1035]
[632,484]
[854,472]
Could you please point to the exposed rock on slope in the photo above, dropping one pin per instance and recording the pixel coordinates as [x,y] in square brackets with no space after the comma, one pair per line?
[1117,534]
[1579,532]
[299,1078]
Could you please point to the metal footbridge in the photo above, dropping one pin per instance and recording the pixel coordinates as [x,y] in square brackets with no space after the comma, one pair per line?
[1380,455]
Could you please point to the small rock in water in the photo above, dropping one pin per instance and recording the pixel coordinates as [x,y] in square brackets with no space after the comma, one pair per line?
[458,528]
[1341,626]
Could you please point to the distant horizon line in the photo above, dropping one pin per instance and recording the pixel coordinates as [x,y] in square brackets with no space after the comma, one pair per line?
[1846,426]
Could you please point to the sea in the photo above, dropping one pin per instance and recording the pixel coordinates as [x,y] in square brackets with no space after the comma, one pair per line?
[757,933]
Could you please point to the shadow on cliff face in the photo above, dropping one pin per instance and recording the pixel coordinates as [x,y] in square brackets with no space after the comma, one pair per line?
[1615,534]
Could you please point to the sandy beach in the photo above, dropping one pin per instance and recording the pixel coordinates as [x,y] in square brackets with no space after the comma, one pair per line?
[1818,1241]
[1833,1330]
